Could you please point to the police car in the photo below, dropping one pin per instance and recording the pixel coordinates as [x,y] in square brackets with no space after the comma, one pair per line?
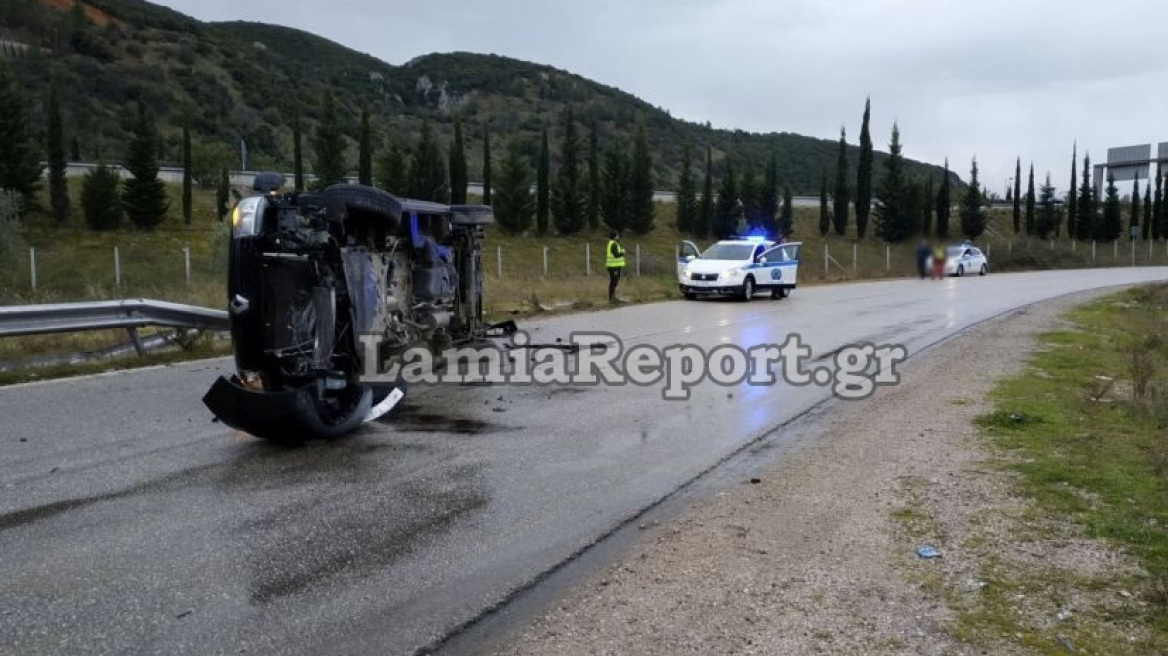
[738,267]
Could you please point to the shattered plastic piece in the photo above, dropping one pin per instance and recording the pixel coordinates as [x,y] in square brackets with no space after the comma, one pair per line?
[381,409]
[928,551]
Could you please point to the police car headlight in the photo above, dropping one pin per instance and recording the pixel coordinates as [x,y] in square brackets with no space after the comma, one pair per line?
[730,273]
[687,273]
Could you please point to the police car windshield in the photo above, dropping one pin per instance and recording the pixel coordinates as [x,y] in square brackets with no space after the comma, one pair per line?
[956,250]
[729,252]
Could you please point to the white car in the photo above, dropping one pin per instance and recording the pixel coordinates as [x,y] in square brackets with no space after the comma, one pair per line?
[738,267]
[965,260]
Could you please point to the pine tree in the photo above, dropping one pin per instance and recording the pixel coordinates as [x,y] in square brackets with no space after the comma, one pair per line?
[769,197]
[614,205]
[1158,212]
[594,185]
[944,204]
[58,187]
[486,164]
[459,178]
[1072,199]
[1134,220]
[725,211]
[1018,195]
[705,218]
[568,196]
[840,198]
[542,206]
[973,214]
[222,195]
[514,204]
[1085,208]
[1112,225]
[393,170]
[101,198]
[896,219]
[1049,213]
[1030,226]
[329,146]
[687,200]
[365,150]
[642,209]
[864,175]
[187,180]
[428,179]
[297,152]
[20,160]
[787,215]
[144,195]
[824,215]
[1149,217]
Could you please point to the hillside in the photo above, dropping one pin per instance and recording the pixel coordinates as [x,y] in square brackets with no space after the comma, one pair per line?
[247,81]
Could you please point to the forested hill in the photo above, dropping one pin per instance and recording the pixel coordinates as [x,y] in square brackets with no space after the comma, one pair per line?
[247,80]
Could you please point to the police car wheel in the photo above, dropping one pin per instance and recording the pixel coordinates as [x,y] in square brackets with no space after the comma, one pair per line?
[689,296]
[748,290]
[984,270]
[960,270]
[778,293]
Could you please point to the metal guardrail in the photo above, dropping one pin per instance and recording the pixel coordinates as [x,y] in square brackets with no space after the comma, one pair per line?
[130,315]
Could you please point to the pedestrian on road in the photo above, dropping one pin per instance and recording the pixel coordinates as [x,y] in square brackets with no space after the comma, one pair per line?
[614,260]
[923,258]
[939,262]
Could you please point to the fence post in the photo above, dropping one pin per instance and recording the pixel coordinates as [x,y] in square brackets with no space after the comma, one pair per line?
[187,263]
[1010,248]
[989,245]
[1093,245]
[1133,246]
[1052,244]
[32,267]
[1074,245]
[855,257]
[1149,251]
[826,261]
[587,258]
[499,260]
[1115,247]
[887,257]
[545,264]
[638,259]
[117,267]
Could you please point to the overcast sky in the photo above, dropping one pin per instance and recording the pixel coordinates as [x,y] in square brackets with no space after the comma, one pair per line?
[991,78]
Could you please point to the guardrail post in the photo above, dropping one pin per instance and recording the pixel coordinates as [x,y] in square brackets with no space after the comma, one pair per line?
[545,264]
[499,260]
[117,267]
[638,259]
[587,258]
[133,333]
[187,263]
[32,267]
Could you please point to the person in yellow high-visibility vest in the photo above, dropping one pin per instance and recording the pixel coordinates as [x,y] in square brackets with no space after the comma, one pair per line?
[614,261]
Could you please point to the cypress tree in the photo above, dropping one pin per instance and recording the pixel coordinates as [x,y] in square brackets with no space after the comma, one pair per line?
[1112,225]
[144,195]
[1030,226]
[1149,217]
[512,200]
[1072,199]
[925,204]
[20,160]
[824,216]
[541,186]
[973,214]
[642,209]
[749,187]
[459,178]
[840,199]
[222,195]
[1018,195]
[100,198]
[329,146]
[1134,222]
[487,164]
[1158,208]
[297,152]
[393,171]
[705,216]
[787,215]
[1085,219]
[75,149]
[944,204]
[58,187]
[864,175]
[1049,214]
[896,219]
[428,179]
[568,196]
[365,150]
[187,198]
[594,185]
[725,210]
[769,197]
[687,201]
[614,205]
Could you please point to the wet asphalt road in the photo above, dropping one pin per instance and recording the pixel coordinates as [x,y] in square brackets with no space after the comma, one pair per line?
[130,523]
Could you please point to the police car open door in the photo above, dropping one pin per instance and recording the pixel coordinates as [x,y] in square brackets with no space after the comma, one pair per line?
[782,266]
[687,252]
